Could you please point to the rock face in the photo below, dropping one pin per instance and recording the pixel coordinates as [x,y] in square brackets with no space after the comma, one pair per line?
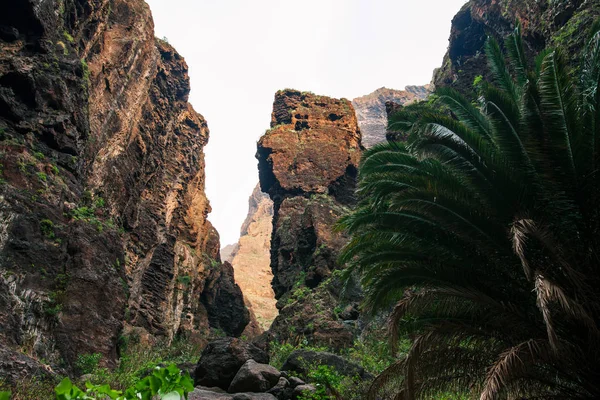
[307,164]
[102,205]
[221,360]
[251,259]
[561,24]
[254,377]
[371,110]
[224,301]
[229,251]
[301,361]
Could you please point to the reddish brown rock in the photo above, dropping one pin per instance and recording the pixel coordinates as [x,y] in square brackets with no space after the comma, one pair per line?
[102,207]
[313,145]
[307,164]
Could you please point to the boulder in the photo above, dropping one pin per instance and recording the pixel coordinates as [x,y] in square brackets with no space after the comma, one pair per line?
[253,396]
[302,390]
[295,381]
[221,360]
[283,390]
[203,393]
[302,360]
[254,377]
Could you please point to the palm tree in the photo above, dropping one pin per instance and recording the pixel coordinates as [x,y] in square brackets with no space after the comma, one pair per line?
[482,232]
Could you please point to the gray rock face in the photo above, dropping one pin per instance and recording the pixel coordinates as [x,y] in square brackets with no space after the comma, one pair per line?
[371,110]
[254,377]
[301,361]
[221,360]
[224,301]
[253,396]
[203,393]
[282,390]
[303,389]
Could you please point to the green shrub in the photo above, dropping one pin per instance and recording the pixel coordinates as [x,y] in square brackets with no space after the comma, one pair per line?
[47,228]
[68,37]
[88,363]
[326,380]
[42,176]
[184,279]
[163,383]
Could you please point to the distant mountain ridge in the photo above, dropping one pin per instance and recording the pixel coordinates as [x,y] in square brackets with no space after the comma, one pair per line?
[371,112]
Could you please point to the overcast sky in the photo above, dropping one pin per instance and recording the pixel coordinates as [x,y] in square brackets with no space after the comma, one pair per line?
[241,52]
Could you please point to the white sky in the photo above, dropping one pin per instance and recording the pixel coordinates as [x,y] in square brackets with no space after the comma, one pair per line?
[241,52]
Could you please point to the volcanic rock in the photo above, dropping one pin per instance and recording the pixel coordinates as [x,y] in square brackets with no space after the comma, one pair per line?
[221,360]
[254,377]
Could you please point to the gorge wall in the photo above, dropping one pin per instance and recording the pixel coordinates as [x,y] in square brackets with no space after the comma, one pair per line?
[371,110]
[557,24]
[250,258]
[308,164]
[102,205]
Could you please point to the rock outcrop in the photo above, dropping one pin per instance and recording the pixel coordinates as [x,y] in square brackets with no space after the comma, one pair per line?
[222,359]
[371,110]
[242,368]
[562,24]
[250,258]
[308,164]
[102,205]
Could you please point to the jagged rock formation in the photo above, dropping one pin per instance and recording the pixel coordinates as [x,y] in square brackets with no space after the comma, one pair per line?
[371,110]
[561,24]
[102,205]
[229,251]
[308,163]
[250,258]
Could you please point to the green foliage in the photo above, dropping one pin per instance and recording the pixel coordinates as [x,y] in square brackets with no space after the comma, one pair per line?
[279,352]
[165,383]
[5,395]
[477,81]
[299,294]
[83,213]
[68,37]
[326,380]
[88,363]
[373,353]
[481,232]
[86,73]
[184,279]
[40,156]
[42,176]
[87,212]
[47,228]
[99,202]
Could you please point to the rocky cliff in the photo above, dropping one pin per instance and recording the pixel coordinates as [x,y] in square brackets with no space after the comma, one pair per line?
[560,24]
[251,259]
[371,110]
[102,205]
[308,164]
